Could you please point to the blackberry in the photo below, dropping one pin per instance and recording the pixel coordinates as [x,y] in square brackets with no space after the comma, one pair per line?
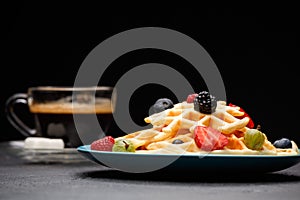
[205,103]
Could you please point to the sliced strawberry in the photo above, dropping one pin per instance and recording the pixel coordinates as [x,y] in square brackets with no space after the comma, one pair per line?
[251,123]
[190,98]
[103,144]
[209,139]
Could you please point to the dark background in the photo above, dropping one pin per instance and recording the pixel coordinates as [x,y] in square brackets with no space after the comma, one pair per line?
[256,49]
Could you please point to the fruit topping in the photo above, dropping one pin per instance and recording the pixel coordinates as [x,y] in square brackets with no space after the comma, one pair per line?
[209,139]
[205,103]
[177,141]
[254,139]
[162,104]
[123,145]
[251,123]
[190,98]
[103,144]
[283,143]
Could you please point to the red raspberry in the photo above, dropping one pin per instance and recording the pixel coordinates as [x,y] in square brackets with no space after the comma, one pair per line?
[103,144]
[190,98]
[209,139]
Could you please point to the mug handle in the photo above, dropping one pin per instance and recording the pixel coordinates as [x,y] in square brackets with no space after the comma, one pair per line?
[13,118]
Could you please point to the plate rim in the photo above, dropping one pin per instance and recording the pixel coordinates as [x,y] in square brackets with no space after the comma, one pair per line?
[86,149]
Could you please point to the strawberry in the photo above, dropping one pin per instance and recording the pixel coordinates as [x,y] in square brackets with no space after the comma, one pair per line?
[190,98]
[209,139]
[251,123]
[103,144]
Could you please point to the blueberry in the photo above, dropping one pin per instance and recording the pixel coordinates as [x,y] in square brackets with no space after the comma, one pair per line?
[162,104]
[283,143]
[177,141]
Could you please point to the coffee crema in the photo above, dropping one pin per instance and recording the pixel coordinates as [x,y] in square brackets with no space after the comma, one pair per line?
[71,108]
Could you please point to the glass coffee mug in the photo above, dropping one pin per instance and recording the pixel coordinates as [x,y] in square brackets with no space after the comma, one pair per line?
[76,115]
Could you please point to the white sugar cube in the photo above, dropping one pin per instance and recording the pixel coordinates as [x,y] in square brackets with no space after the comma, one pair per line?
[43,143]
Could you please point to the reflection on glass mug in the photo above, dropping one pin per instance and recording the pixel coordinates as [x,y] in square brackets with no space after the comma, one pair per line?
[54,110]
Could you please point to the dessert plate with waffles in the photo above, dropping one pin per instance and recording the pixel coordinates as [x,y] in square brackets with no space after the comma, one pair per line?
[200,133]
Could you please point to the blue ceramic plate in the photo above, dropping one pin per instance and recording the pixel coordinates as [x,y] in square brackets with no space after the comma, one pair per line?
[131,162]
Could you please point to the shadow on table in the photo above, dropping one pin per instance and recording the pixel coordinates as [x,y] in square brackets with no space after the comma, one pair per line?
[192,177]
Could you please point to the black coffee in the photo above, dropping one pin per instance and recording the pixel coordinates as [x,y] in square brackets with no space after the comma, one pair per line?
[57,121]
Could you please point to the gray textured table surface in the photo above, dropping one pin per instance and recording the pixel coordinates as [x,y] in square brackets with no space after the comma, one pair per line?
[20,179]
